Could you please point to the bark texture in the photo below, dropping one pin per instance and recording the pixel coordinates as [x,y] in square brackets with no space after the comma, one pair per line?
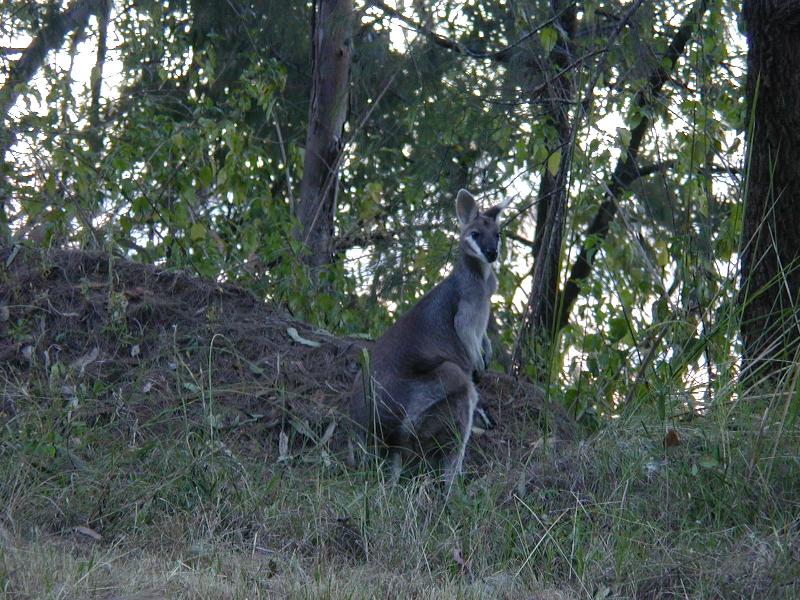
[537,327]
[770,251]
[331,54]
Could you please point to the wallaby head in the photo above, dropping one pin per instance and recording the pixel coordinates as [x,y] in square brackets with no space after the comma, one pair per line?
[480,231]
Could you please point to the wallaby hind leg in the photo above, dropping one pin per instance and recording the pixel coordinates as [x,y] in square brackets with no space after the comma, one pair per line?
[432,407]
[465,409]
[356,447]
[397,465]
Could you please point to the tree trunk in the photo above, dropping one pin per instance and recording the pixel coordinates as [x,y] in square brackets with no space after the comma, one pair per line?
[331,51]
[770,251]
[533,343]
[103,18]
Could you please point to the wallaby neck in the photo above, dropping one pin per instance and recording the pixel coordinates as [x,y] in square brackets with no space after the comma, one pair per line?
[473,267]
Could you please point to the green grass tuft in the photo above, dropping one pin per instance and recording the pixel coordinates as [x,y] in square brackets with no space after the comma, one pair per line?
[186,510]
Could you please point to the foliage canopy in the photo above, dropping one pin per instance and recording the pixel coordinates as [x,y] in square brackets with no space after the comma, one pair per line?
[173,132]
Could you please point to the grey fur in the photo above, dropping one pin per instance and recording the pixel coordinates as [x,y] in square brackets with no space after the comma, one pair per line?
[422,366]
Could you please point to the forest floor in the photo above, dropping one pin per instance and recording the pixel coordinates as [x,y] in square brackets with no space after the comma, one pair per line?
[164,436]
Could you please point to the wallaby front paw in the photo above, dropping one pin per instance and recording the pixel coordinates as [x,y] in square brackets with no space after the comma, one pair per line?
[479,370]
[486,352]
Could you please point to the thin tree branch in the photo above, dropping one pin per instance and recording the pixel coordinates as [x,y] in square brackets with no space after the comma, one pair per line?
[51,36]
[645,170]
[287,167]
[625,171]
[503,55]
[665,165]
[97,72]
[520,239]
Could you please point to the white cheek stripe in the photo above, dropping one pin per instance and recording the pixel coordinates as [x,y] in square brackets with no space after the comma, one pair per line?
[478,254]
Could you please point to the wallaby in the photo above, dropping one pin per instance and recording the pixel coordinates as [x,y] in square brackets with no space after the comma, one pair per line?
[482,419]
[420,396]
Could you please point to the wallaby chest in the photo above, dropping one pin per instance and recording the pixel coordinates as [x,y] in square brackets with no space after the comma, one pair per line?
[472,311]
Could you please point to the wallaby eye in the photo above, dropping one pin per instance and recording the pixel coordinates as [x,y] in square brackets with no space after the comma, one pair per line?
[474,235]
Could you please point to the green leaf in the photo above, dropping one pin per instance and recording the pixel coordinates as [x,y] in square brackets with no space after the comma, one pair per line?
[592,342]
[707,461]
[180,216]
[205,176]
[589,12]
[254,368]
[548,36]
[197,232]
[624,135]
[554,162]
[300,339]
[662,253]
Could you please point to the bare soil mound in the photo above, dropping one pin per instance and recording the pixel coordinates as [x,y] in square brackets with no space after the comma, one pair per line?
[134,342]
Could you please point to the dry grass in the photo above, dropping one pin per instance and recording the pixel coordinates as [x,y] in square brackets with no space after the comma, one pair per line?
[185,516]
[54,570]
[184,483]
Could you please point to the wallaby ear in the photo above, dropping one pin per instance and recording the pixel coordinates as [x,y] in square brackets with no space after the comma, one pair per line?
[466,207]
[497,210]
[500,208]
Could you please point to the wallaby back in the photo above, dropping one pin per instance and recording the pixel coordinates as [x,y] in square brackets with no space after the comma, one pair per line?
[422,367]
